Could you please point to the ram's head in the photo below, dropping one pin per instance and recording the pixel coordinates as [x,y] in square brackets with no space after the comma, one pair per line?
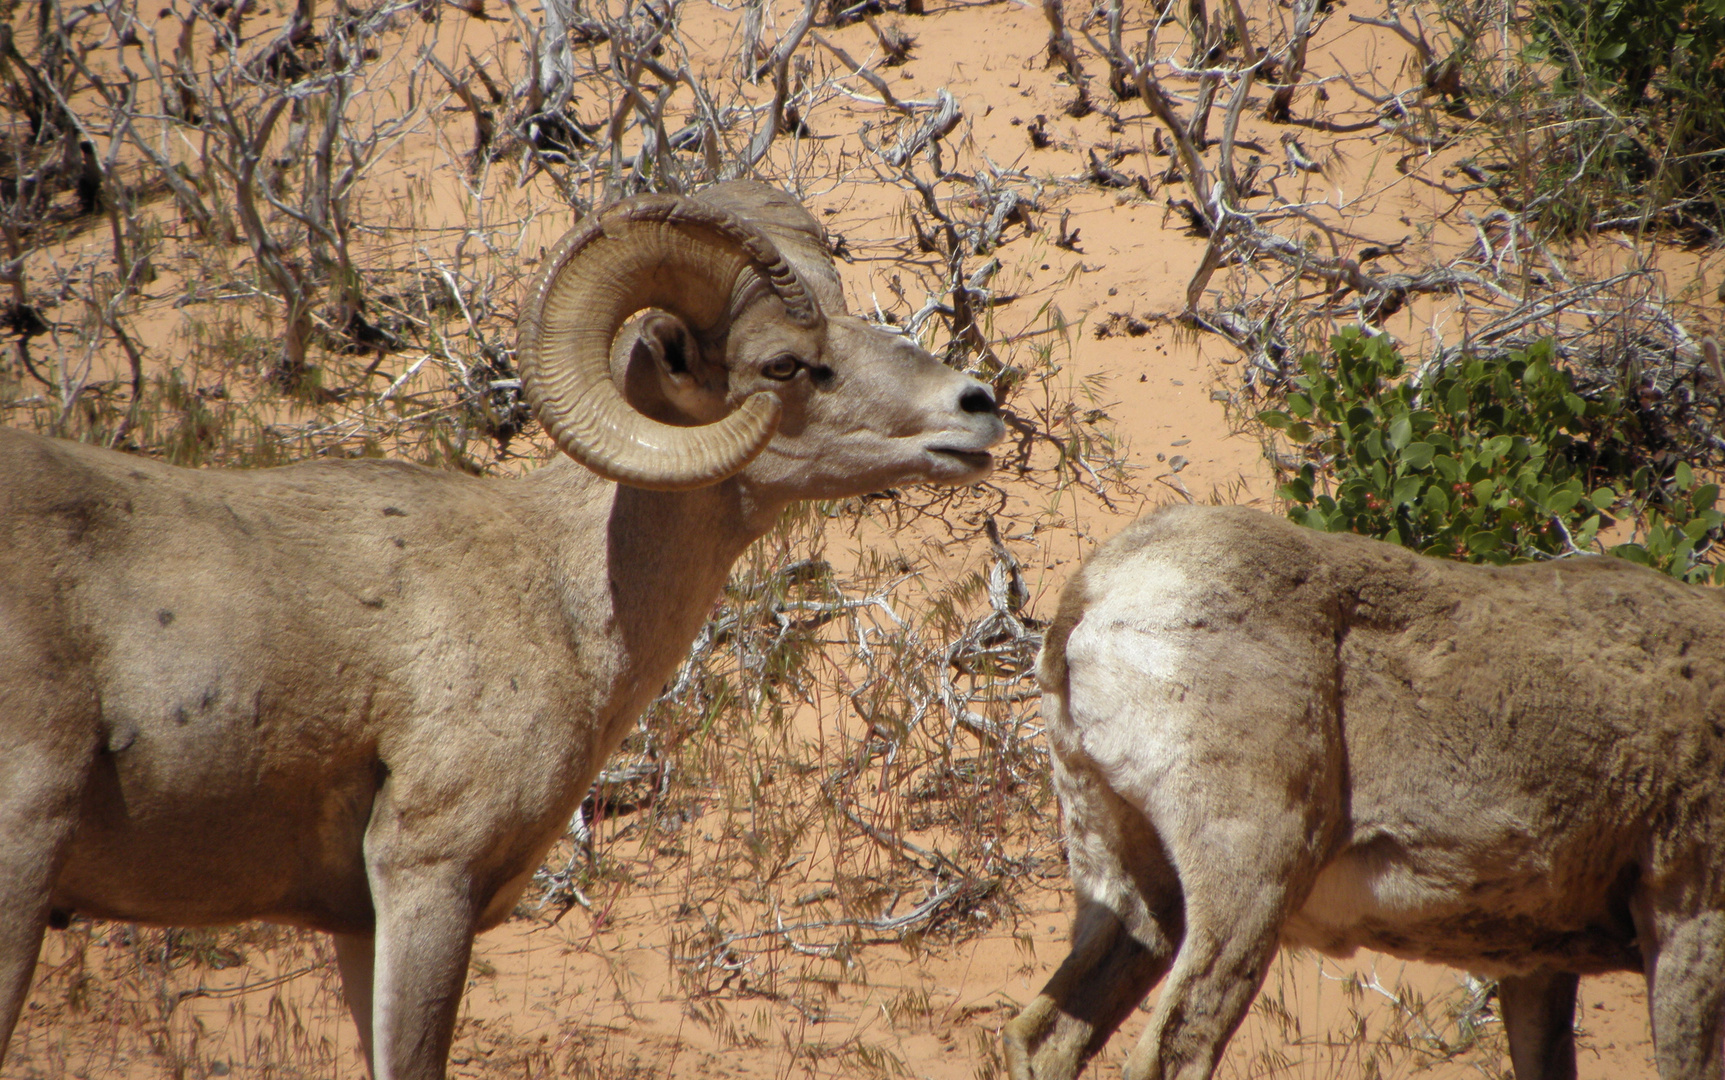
[672,342]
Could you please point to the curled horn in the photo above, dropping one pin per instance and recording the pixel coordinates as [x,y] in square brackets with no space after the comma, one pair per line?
[651,251]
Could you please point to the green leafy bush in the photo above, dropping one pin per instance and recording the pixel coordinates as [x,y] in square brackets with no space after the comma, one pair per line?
[1490,459]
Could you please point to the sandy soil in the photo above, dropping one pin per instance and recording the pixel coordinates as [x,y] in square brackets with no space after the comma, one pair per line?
[598,993]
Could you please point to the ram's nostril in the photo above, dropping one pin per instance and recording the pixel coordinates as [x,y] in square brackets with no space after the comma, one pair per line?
[976,399]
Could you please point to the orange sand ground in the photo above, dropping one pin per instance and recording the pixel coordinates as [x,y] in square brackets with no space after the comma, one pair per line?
[587,997]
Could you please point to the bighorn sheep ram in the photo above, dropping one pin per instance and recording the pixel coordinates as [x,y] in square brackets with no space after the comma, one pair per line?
[365,697]
[1267,735]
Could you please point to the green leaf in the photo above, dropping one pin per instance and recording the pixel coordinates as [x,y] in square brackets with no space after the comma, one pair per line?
[1296,491]
[1418,455]
[1435,501]
[1407,489]
[1300,432]
[1274,419]
[1300,405]
[1704,498]
[1480,541]
[1634,553]
[1402,431]
[1684,475]
[1483,489]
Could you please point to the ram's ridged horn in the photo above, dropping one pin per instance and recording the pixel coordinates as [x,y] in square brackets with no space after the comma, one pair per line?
[651,251]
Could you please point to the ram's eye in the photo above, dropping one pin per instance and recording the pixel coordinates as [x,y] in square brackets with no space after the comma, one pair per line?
[785,367]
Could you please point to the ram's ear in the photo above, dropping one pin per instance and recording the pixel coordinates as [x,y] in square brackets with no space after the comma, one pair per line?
[669,344]
[669,377]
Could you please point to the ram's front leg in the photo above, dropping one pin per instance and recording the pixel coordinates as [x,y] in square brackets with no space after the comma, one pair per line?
[423,892]
[35,826]
[424,939]
[355,955]
[45,756]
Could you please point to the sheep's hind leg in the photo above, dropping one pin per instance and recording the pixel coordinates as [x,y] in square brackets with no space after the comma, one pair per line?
[1539,1018]
[1686,992]
[1231,937]
[1122,937]
[1246,860]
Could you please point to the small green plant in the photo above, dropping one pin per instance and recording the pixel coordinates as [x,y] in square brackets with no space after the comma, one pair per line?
[1490,459]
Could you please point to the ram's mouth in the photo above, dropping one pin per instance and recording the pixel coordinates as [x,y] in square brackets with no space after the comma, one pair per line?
[971,459]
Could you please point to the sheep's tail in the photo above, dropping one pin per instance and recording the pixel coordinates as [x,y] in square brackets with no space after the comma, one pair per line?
[1051,663]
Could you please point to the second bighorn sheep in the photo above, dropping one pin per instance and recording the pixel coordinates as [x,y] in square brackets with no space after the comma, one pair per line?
[1265,735]
[365,697]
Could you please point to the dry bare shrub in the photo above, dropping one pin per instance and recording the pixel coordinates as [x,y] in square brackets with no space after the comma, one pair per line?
[303,234]
[1469,115]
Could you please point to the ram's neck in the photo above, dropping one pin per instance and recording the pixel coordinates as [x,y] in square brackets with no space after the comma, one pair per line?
[640,572]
